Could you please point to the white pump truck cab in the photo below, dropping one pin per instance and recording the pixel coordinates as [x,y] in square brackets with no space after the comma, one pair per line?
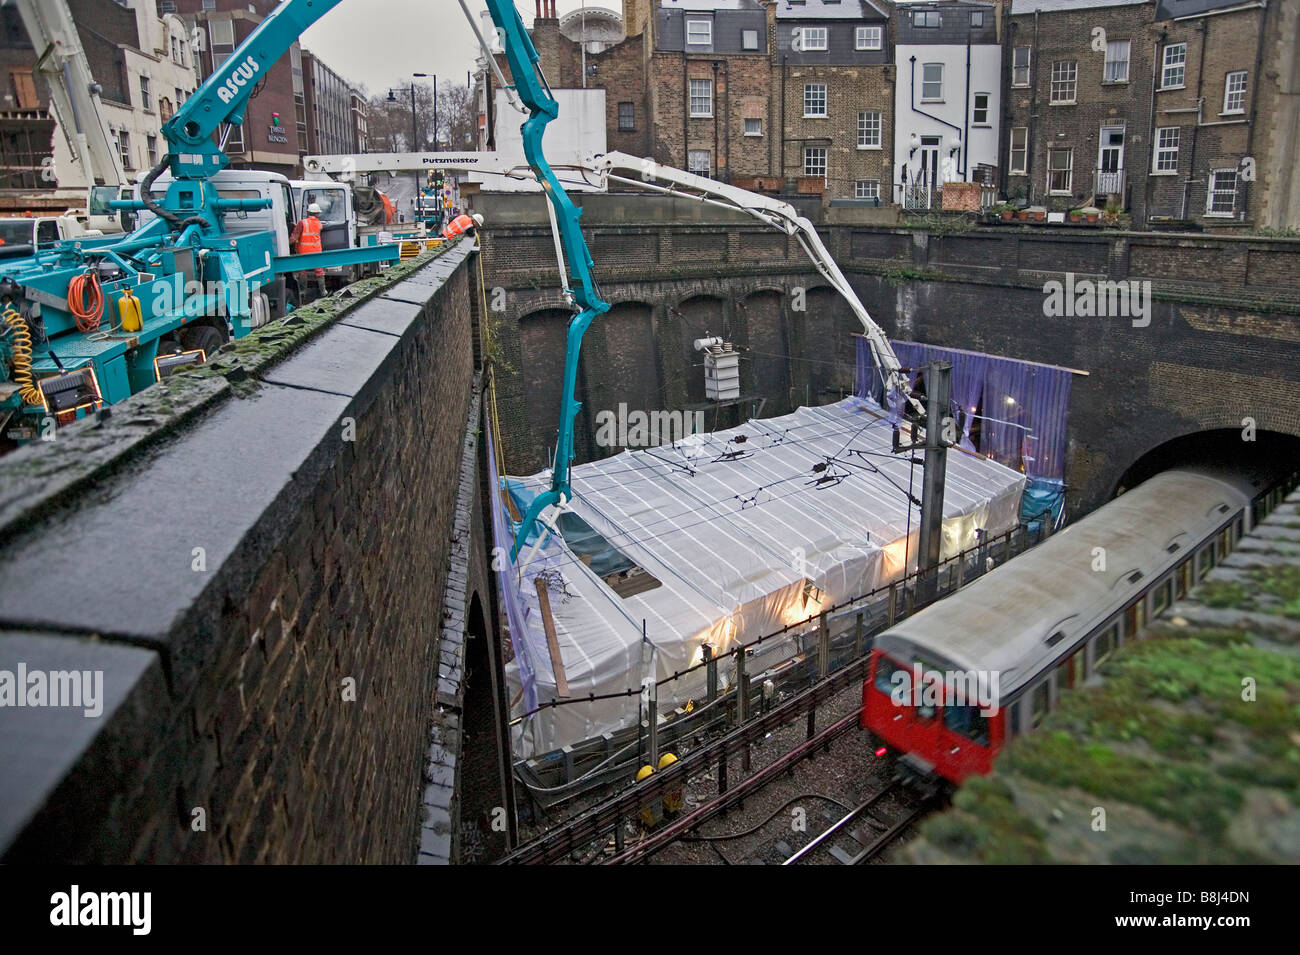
[339,227]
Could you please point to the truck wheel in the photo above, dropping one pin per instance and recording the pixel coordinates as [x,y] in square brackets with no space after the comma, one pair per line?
[276,292]
[202,336]
[259,310]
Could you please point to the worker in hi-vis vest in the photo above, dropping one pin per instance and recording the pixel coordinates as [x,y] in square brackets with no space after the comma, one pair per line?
[462,225]
[304,240]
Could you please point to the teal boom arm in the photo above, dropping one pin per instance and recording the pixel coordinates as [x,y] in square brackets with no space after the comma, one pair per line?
[223,96]
[542,108]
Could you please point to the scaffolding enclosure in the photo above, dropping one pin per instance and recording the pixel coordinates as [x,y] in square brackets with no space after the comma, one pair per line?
[713,541]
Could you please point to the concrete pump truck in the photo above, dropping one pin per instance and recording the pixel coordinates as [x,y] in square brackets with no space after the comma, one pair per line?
[91,321]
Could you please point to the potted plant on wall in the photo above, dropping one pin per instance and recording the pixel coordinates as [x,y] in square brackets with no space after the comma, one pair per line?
[1076,215]
[1091,214]
[1037,213]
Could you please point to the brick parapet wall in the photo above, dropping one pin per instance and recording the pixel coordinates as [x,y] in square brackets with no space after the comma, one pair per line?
[273,699]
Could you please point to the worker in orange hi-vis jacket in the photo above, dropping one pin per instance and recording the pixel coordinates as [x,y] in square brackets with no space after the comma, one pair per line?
[306,239]
[462,225]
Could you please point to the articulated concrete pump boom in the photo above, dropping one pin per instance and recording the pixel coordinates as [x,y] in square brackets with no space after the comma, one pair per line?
[581,292]
[641,173]
[621,167]
[573,255]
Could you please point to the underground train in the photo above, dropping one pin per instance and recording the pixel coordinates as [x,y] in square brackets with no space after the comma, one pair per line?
[949,686]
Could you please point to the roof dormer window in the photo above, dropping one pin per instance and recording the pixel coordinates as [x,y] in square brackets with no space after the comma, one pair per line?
[699,32]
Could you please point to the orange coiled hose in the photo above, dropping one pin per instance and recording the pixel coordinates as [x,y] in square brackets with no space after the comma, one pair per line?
[86,313]
[22,357]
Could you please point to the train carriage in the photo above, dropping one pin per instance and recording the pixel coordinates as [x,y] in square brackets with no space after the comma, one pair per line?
[950,685]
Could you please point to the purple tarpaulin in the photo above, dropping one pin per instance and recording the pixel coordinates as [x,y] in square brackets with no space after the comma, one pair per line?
[1025,405]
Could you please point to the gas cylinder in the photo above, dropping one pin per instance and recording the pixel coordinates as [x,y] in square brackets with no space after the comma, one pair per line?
[128,310]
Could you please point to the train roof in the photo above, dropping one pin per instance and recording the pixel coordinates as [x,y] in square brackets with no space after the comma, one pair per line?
[1002,622]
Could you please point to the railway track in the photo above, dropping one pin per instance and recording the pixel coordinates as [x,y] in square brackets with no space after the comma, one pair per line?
[659,840]
[862,834]
[609,815]
[862,826]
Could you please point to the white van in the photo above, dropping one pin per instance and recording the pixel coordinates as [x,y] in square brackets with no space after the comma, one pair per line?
[40,232]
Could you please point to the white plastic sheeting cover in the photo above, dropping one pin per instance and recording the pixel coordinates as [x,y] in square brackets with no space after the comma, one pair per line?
[734,542]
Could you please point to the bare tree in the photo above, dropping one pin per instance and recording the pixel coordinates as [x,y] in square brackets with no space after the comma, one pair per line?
[457,119]
[389,118]
[388,121]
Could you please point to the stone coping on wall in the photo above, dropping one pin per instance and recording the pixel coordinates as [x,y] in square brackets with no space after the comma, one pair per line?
[1238,272]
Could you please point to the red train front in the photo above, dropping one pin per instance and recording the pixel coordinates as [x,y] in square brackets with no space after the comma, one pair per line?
[937,729]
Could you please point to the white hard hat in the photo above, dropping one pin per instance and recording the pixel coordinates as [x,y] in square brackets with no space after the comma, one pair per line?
[478,219]
[313,209]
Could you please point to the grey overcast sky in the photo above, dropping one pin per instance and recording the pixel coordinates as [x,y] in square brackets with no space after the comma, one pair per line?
[380,43]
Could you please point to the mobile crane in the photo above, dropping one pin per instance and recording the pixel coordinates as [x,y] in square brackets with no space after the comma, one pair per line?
[92,321]
[74,96]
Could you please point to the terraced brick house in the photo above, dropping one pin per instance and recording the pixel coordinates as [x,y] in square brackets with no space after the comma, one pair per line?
[1078,116]
[947,100]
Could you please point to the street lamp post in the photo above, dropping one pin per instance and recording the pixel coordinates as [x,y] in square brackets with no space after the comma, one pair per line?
[434,77]
[415,133]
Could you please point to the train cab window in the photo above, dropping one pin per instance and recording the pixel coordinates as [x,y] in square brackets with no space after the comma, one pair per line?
[1103,644]
[885,670]
[1162,598]
[967,721]
[1039,702]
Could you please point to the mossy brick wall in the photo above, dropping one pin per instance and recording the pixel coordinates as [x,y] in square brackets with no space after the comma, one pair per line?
[288,689]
